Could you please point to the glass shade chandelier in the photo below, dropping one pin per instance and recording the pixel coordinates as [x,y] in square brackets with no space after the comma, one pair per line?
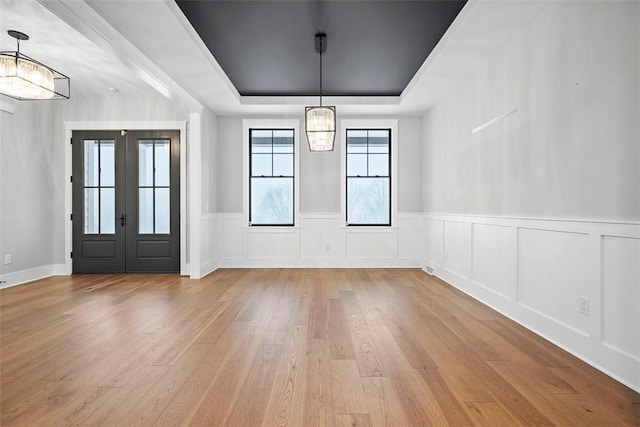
[320,121]
[24,78]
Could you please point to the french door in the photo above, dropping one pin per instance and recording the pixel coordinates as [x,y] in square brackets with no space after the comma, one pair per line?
[126,201]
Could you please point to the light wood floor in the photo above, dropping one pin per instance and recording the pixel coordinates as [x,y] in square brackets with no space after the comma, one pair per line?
[284,347]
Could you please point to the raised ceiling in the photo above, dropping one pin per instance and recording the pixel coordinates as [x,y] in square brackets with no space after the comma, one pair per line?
[374,47]
[104,43]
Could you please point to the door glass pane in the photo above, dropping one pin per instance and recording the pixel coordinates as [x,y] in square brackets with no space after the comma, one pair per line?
[91,165]
[145,163]
[107,163]
[145,211]
[272,200]
[107,211]
[368,201]
[91,210]
[162,162]
[162,211]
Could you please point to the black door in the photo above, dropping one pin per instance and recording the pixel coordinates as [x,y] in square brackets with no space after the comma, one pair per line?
[126,201]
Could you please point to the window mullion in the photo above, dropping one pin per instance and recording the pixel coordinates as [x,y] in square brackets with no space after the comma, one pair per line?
[99,188]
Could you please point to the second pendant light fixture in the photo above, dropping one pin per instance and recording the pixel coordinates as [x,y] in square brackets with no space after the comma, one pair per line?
[320,121]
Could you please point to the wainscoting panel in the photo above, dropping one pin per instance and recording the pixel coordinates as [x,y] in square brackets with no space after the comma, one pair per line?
[321,237]
[621,294]
[537,272]
[208,243]
[492,246]
[231,232]
[410,241]
[457,248]
[320,240]
[264,243]
[433,241]
[371,244]
[553,275]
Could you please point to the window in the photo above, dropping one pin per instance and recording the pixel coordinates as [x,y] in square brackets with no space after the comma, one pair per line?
[368,174]
[271,177]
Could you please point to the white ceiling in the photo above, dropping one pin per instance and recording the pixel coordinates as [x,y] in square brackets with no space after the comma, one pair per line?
[143,46]
[92,70]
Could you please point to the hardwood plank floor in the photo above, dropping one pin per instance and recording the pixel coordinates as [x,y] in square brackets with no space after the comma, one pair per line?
[284,347]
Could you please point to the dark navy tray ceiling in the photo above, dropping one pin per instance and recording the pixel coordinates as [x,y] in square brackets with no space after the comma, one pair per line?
[266,47]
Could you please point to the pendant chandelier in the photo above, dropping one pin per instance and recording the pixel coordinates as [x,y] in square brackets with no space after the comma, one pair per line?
[24,78]
[320,121]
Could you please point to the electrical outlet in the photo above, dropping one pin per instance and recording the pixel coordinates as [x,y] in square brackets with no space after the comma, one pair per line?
[7,259]
[583,305]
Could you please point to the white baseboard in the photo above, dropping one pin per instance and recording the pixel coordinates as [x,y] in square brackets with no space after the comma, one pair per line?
[29,275]
[208,267]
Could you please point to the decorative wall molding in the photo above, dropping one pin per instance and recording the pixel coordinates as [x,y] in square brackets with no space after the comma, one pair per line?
[209,243]
[319,240]
[535,271]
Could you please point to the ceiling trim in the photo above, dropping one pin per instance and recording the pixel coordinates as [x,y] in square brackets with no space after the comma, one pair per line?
[195,37]
[85,20]
[313,100]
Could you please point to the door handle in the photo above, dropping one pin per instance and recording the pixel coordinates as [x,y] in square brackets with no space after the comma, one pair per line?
[123,220]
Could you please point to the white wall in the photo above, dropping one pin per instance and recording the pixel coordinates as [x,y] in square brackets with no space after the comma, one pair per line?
[320,195]
[33,181]
[543,208]
[320,237]
[27,190]
[115,108]
[571,150]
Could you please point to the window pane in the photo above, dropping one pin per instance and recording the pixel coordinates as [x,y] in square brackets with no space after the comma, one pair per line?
[145,163]
[283,141]
[356,164]
[107,163]
[378,165]
[91,211]
[283,164]
[162,162]
[145,211]
[368,201]
[261,141]
[356,141]
[261,164]
[107,211]
[272,200]
[162,211]
[91,166]
[378,141]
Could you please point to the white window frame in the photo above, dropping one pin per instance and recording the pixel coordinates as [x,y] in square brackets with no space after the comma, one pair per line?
[248,124]
[395,139]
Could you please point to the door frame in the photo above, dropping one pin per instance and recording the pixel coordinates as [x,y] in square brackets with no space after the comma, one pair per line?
[70,126]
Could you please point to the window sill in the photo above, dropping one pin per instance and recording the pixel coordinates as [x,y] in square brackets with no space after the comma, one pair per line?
[369,228]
